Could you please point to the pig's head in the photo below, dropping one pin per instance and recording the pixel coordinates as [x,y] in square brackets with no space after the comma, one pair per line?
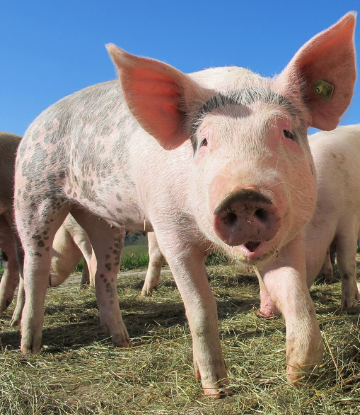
[254,184]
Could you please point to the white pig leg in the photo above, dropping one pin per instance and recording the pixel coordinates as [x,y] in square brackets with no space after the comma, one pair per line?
[156,260]
[285,281]
[346,246]
[107,243]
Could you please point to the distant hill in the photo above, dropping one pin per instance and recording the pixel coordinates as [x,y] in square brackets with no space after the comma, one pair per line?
[135,239]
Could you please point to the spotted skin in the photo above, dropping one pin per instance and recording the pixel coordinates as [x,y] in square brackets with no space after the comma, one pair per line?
[126,154]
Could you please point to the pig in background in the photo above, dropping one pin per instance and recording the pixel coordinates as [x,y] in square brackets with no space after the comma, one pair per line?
[335,225]
[9,242]
[217,159]
[70,244]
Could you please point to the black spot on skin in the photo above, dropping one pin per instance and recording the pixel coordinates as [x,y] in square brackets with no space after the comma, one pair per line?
[102,275]
[105,280]
[107,256]
[118,197]
[36,237]
[38,254]
[45,232]
[41,244]
[47,249]
[62,175]
[108,266]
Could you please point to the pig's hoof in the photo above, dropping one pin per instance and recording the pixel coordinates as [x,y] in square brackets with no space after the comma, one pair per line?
[295,376]
[122,342]
[15,321]
[30,349]
[219,391]
[268,314]
[121,339]
[146,292]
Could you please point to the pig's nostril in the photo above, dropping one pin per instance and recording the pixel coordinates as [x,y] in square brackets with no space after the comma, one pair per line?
[261,214]
[230,218]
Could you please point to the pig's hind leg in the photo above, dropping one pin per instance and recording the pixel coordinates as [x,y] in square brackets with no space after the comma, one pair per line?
[10,277]
[107,243]
[346,246]
[156,260]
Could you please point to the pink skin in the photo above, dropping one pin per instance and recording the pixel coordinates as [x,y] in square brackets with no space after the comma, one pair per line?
[327,272]
[9,241]
[156,260]
[10,277]
[337,215]
[336,220]
[70,244]
[153,157]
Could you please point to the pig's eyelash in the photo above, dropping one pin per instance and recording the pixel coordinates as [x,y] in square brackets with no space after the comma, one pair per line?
[203,143]
[289,134]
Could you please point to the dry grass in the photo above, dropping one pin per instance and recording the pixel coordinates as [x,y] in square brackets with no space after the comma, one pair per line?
[80,372]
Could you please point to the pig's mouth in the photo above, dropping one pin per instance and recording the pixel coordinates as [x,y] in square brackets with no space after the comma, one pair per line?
[251,246]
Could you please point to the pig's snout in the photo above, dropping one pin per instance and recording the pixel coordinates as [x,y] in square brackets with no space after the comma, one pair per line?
[246,216]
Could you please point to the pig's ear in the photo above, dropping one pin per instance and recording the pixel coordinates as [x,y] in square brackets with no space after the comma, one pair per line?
[155,94]
[325,70]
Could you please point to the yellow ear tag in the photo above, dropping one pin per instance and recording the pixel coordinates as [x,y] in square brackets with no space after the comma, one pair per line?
[324,90]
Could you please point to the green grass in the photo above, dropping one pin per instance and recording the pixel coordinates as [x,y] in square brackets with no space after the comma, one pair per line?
[79,371]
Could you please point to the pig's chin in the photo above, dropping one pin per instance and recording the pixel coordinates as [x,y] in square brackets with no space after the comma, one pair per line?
[253,252]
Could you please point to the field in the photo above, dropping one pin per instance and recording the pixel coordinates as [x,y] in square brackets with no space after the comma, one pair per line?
[80,372]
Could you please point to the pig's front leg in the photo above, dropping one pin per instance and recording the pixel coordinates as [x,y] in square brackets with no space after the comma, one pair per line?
[191,278]
[285,280]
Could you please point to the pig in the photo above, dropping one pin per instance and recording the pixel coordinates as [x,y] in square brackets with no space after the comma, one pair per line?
[156,260]
[336,219]
[10,274]
[217,159]
[335,225]
[9,242]
[70,245]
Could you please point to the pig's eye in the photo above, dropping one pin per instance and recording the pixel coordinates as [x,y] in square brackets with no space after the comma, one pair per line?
[289,134]
[203,143]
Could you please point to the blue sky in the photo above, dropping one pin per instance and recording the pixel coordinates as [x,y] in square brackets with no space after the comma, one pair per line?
[49,49]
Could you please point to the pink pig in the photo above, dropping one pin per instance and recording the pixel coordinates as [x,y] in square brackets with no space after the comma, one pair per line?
[336,220]
[217,159]
[9,242]
[70,243]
